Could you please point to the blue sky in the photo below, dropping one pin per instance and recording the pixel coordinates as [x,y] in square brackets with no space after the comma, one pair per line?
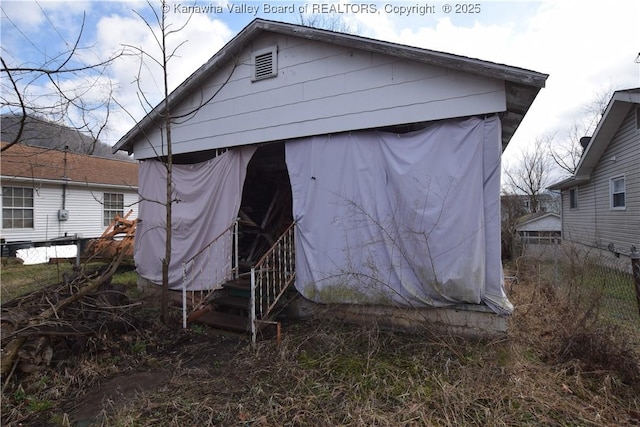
[587,47]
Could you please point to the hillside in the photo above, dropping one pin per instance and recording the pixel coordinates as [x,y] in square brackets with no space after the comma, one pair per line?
[43,133]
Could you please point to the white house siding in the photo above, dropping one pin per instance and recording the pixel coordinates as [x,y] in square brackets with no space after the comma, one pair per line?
[322,88]
[548,223]
[579,225]
[598,225]
[85,212]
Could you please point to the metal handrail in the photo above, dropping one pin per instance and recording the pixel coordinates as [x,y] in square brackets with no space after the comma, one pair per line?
[233,226]
[270,278]
[230,247]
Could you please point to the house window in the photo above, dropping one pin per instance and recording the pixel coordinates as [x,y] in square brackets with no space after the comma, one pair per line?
[617,187]
[17,207]
[113,205]
[265,64]
[573,198]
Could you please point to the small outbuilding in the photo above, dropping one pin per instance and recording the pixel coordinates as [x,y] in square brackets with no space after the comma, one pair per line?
[380,161]
[534,232]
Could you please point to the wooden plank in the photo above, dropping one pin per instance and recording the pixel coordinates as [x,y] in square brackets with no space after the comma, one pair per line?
[69,260]
[239,287]
[230,322]
[232,301]
[263,225]
[243,284]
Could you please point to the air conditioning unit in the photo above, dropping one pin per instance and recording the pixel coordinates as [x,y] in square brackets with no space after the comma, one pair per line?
[63,215]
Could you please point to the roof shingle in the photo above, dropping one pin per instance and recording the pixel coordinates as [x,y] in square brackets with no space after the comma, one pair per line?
[39,163]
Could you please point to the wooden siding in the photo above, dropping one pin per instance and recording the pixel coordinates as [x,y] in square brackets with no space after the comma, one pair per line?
[594,223]
[322,88]
[579,224]
[85,212]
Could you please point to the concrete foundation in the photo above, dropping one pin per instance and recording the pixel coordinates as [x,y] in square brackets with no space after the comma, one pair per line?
[471,321]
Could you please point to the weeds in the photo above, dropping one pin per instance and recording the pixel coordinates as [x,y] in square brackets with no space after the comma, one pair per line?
[561,365]
[139,347]
[572,327]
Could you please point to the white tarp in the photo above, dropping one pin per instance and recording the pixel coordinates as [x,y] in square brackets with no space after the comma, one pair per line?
[410,219]
[207,198]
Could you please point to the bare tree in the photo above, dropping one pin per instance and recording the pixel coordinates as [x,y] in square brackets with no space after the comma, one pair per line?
[566,151]
[531,174]
[162,31]
[43,91]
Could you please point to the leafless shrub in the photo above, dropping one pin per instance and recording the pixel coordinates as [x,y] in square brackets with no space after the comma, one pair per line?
[568,319]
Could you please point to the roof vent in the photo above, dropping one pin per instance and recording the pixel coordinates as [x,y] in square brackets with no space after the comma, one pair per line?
[584,142]
[265,64]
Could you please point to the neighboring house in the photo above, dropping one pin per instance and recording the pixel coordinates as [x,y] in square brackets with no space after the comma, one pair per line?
[535,231]
[601,201]
[515,207]
[387,157]
[539,228]
[50,194]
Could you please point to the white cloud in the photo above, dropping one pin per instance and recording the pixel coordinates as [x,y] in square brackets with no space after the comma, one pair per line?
[61,21]
[200,39]
[584,46]
[22,14]
[42,36]
[34,33]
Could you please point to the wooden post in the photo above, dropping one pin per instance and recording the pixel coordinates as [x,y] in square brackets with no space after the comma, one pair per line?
[635,270]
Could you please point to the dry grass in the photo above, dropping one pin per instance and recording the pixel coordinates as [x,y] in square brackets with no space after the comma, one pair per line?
[557,366]
[17,279]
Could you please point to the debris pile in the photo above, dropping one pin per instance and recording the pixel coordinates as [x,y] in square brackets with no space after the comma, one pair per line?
[116,238]
[46,326]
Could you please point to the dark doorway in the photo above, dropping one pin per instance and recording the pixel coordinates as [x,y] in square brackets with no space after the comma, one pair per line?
[266,206]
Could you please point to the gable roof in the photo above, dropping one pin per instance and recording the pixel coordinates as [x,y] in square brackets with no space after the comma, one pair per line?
[30,163]
[617,109]
[522,85]
[535,217]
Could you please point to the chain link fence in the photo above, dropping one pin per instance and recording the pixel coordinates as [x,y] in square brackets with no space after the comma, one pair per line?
[40,252]
[607,281]
[612,281]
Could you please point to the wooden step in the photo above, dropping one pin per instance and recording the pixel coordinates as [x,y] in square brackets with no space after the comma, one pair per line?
[229,322]
[242,283]
[231,301]
[240,288]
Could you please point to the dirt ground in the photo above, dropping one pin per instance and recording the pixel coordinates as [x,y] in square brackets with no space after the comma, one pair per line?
[165,350]
[131,354]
